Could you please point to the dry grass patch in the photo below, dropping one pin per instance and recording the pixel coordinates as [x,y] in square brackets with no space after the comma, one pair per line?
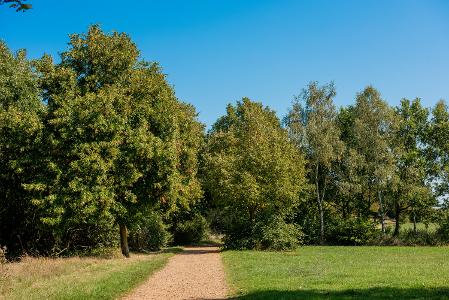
[76,277]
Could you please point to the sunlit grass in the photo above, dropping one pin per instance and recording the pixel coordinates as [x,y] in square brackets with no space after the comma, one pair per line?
[340,273]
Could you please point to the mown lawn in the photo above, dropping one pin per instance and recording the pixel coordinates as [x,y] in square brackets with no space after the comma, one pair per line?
[77,278]
[340,273]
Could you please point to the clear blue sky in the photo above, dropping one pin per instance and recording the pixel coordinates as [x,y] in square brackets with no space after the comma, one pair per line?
[216,52]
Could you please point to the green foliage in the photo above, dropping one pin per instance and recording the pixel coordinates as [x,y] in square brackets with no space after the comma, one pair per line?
[437,139]
[350,232]
[251,170]
[149,233]
[278,235]
[21,131]
[408,237]
[100,141]
[312,126]
[190,231]
[443,225]
[109,140]
[413,191]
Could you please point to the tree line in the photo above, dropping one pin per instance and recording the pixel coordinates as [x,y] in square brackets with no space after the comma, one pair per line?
[96,150]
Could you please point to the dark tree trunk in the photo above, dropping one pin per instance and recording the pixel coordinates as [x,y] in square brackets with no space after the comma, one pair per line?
[124,240]
[381,211]
[397,216]
[414,223]
[320,205]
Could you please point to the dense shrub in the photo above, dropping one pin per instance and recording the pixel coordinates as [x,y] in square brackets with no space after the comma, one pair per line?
[409,237]
[272,234]
[350,232]
[443,230]
[190,231]
[278,235]
[239,235]
[150,233]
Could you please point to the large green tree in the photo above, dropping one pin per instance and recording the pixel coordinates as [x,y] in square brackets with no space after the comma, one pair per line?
[118,139]
[312,126]
[21,113]
[253,172]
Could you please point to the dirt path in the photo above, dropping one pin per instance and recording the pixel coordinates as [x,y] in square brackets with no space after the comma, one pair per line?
[195,273]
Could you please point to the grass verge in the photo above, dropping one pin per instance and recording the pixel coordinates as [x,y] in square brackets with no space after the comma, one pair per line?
[340,273]
[77,278]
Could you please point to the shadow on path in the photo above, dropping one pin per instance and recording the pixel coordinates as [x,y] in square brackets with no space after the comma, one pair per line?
[189,250]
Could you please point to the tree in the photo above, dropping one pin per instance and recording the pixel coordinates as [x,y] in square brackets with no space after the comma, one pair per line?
[114,137]
[312,126]
[348,185]
[254,173]
[21,113]
[374,125]
[437,139]
[413,191]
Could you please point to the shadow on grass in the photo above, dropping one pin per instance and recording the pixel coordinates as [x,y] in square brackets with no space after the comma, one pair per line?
[372,293]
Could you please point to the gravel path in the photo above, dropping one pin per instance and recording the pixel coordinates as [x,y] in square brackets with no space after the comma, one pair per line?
[195,273]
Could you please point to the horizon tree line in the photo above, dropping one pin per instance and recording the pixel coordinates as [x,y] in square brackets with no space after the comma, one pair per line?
[100,142]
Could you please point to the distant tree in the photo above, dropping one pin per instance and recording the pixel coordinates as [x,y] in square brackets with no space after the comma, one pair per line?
[438,151]
[18,5]
[374,125]
[348,185]
[413,191]
[254,173]
[312,125]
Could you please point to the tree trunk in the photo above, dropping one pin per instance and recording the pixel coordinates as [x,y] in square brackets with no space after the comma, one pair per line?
[414,223]
[381,211]
[124,240]
[396,216]
[321,223]
[320,206]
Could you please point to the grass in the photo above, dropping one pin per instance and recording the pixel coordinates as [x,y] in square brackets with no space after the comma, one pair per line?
[77,278]
[315,272]
[432,227]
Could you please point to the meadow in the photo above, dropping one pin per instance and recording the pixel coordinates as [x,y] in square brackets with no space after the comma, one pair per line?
[77,277]
[328,272]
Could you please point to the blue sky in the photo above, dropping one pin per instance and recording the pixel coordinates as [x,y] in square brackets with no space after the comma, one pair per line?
[216,52]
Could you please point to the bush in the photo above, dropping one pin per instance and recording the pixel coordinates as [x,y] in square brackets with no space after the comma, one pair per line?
[239,236]
[149,233]
[421,237]
[443,230]
[350,232]
[278,235]
[190,231]
[408,237]
[273,234]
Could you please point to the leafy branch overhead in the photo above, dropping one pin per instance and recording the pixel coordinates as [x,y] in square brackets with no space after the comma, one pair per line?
[18,5]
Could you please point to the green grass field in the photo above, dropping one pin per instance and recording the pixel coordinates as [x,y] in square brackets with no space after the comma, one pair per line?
[340,273]
[77,278]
